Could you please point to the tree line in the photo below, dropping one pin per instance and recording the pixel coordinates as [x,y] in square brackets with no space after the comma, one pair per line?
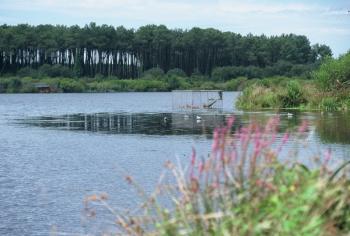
[127,53]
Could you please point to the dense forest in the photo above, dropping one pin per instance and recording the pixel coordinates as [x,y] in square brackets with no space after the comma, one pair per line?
[126,53]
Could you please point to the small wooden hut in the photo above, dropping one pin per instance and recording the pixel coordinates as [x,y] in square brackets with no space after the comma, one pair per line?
[43,88]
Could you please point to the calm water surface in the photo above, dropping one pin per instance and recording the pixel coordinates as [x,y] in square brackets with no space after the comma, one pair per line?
[57,148]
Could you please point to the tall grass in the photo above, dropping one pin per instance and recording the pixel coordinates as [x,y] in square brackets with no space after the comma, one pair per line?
[243,188]
[329,90]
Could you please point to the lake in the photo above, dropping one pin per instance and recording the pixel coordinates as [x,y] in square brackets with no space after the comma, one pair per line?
[55,149]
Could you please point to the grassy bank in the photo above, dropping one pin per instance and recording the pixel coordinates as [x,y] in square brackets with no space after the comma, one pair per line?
[113,84]
[60,79]
[243,188]
[329,89]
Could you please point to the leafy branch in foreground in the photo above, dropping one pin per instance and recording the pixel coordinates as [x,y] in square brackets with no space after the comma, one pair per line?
[244,188]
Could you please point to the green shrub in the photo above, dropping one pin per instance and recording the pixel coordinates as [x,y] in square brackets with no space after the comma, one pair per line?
[236,84]
[258,97]
[334,74]
[71,86]
[143,85]
[293,96]
[301,70]
[99,77]
[329,104]
[3,84]
[229,72]
[152,73]
[176,72]
[208,85]
[101,86]
[173,82]
[55,71]
[27,85]
[281,67]
[346,104]
[225,73]
[27,71]
[10,85]
[275,80]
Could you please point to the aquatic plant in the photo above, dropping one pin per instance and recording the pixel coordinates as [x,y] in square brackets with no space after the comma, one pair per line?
[294,95]
[243,188]
[258,97]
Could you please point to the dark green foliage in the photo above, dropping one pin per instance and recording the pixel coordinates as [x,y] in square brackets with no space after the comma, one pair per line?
[126,53]
[173,82]
[334,74]
[153,73]
[329,104]
[293,96]
[55,71]
[301,70]
[321,51]
[10,85]
[27,71]
[275,92]
[112,84]
[127,85]
[176,72]
[15,84]
[229,72]
[236,84]
[328,91]
[71,86]
[258,97]
[281,68]
[3,85]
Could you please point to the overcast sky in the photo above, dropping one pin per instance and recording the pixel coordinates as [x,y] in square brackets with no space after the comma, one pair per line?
[322,21]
